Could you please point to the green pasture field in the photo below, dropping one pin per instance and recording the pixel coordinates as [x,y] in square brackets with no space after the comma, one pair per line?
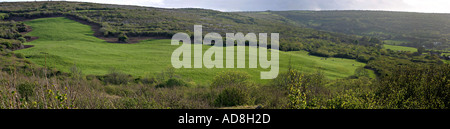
[64,43]
[400,48]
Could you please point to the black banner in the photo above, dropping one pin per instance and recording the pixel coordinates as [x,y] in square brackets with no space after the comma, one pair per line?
[223,118]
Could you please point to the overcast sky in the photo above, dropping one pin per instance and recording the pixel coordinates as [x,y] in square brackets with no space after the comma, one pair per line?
[429,6]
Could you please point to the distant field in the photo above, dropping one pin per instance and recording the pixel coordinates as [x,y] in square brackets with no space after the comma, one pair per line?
[68,42]
[393,42]
[400,48]
[446,61]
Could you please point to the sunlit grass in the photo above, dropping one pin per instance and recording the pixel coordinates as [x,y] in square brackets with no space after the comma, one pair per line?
[70,43]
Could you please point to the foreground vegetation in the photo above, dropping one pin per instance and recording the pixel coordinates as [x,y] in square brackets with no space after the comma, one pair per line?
[24,85]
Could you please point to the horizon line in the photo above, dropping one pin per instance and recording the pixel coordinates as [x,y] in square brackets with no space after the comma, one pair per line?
[311,10]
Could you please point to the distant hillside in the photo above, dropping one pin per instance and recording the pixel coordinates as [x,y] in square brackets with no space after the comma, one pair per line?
[116,22]
[411,29]
[135,21]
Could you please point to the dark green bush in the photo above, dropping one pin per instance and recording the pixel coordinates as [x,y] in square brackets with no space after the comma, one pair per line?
[230,78]
[119,91]
[362,59]
[22,28]
[148,80]
[173,82]
[232,96]
[90,77]
[129,103]
[361,72]
[20,55]
[22,39]
[236,88]
[26,90]
[116,77]
[9,53]
[416,87]
[7,45]
[123,38]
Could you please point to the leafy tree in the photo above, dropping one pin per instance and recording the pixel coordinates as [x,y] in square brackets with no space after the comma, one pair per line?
[116,77]
[421,50]
[123,38]
[297,92]
[416,87]
[361,72]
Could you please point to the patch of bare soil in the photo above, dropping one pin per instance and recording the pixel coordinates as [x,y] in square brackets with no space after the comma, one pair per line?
[27,46]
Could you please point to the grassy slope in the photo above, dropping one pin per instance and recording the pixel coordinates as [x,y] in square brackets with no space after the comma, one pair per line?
[69,42]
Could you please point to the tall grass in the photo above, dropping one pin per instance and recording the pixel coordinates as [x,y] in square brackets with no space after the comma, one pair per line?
[27,86]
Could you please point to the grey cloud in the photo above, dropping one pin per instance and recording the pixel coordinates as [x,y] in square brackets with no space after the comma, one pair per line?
[261,5]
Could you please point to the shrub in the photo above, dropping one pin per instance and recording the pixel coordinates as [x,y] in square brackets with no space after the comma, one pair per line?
[116,77]
[285,78]
[123,38]
[297,93]
[361,72]
[117,90]
[22,29]
[148,80]
[90,77]
[416,87]
[26,90]
[321,53]
[7,44]
[352,99]
[315,82]
[76,72]
[230,78]
[173,82]
[129,103]
[9,53]
[20,55]
[362,59]
[22,39]
[232,96]
[167,73]
[236,86]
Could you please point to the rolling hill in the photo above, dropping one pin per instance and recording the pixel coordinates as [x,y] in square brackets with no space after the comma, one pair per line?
[411,29]
[70,43]
[77,55]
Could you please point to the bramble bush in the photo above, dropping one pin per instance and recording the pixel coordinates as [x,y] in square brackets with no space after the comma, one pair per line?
[123,38]
[20,55]
[116,77]
[173,82]
[230,78]
[236,89]
[232,96]
[416,87]
[26,90]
